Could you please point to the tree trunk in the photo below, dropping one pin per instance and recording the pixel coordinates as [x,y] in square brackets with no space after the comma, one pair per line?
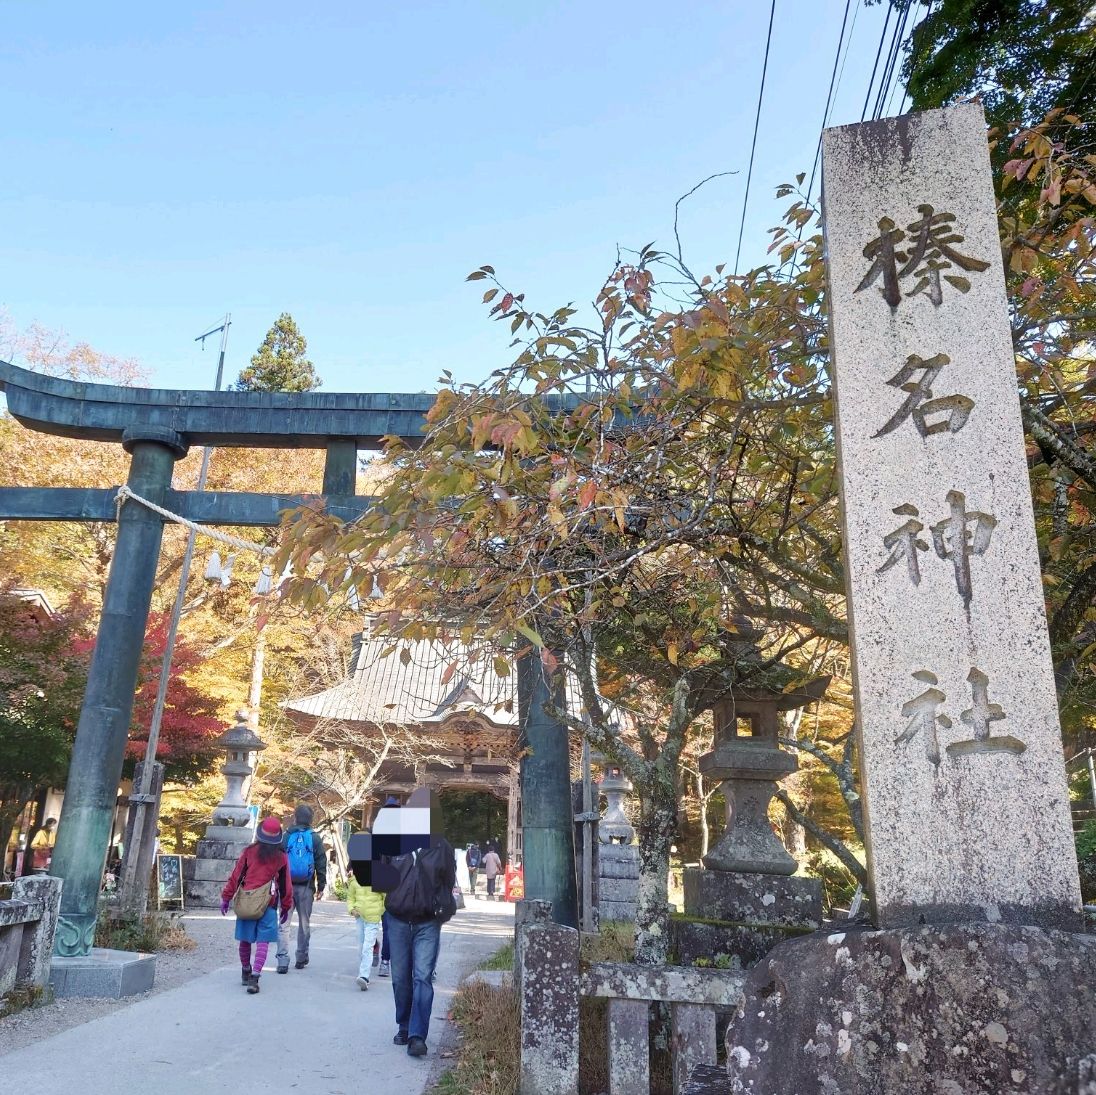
[705,828]
[657,813]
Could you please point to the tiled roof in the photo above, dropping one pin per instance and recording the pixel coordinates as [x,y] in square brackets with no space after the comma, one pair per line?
[408,688]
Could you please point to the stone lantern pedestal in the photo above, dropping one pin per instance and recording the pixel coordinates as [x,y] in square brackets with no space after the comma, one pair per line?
[232,828]
[617,853]
[745,900]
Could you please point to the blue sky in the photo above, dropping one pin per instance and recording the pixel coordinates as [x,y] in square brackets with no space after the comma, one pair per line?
[168,163]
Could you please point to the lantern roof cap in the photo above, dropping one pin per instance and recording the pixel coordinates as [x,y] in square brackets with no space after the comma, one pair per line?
[241,737]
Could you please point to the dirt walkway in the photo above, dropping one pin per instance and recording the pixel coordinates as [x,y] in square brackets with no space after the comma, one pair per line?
[198,1031]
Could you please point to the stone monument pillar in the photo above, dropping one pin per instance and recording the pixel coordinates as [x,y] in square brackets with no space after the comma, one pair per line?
[232,828]
[617,853]
[969,985]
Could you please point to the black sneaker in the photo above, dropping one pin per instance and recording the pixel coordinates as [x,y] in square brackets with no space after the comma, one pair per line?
[301,963]
[284,969]
[400,1039]
[416,1047]
[252,985]
[245,974]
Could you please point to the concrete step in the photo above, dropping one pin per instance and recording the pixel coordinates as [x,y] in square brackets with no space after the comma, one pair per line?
[212,870]
[203,894]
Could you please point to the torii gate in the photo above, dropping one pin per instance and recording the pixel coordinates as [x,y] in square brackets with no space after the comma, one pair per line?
[157,427]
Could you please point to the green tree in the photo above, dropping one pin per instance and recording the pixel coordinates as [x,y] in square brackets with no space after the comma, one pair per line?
[1022,57]
[280,364]
[43,670]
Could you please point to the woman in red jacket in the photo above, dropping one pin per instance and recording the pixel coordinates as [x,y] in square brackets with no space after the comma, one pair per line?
[260,864]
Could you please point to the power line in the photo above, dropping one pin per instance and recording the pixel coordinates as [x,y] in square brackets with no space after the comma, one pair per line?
[897,38]
[753,145]
[875,67]
[829,94]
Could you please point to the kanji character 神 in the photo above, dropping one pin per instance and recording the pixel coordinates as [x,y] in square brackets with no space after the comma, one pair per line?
[963,534]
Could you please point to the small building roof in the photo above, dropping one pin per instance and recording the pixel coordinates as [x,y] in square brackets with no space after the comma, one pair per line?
[419,682]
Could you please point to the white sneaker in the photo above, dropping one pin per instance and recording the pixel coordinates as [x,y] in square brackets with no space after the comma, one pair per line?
[363,984]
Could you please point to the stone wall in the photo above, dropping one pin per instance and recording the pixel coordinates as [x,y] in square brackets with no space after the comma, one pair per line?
[27,926]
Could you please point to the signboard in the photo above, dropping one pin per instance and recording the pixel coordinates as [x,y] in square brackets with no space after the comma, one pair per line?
[169,879]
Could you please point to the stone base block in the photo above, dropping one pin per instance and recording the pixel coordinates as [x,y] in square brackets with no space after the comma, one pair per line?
[744,944]
[753,898]
[103,973]
[615,910]
[235,834]
[203,894]
[221,849]
[212,870]
[617,889]
[619,868]
[961,1008]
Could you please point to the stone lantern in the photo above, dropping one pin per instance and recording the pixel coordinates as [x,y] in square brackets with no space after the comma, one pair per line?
[614,826]
[747,758]
[617,854]
[238,743]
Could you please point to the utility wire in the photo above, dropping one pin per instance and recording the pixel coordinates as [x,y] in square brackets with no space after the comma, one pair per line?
[897,39]
[875,67]
[753,145]
[829,94]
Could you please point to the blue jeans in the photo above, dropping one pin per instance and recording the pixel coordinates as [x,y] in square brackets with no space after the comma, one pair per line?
[414,956]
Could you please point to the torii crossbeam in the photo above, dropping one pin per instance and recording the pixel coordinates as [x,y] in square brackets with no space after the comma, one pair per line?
[157,427]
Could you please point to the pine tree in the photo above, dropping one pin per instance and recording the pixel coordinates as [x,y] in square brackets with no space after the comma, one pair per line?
[279,364]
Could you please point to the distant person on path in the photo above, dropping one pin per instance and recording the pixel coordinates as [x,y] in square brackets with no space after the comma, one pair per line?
[366,906]
[492,866]
[41,847]
[261,865]
[308,869]
[393,803]
[472,858]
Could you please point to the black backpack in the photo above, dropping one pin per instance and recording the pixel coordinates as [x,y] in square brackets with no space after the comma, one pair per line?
[423,891]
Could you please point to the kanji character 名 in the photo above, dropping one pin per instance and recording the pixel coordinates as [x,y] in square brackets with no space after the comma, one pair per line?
[920,403]
[980,716]
[921,711]
[930,253]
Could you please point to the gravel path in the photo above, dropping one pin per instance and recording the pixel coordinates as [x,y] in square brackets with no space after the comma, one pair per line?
[216,948]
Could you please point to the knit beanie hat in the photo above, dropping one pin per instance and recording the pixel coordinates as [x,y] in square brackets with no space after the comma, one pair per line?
[303,816]
[270,831]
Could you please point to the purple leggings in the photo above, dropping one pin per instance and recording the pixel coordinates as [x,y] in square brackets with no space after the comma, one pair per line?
[260,956]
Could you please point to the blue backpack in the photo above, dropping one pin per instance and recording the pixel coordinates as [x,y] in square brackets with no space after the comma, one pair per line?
[298,847]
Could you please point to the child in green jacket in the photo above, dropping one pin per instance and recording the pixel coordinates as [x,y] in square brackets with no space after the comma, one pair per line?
[366,907]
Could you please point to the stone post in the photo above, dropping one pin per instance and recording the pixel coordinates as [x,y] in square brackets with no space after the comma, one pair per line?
[965,798]
[36,946]
[548,992]
[96,766]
